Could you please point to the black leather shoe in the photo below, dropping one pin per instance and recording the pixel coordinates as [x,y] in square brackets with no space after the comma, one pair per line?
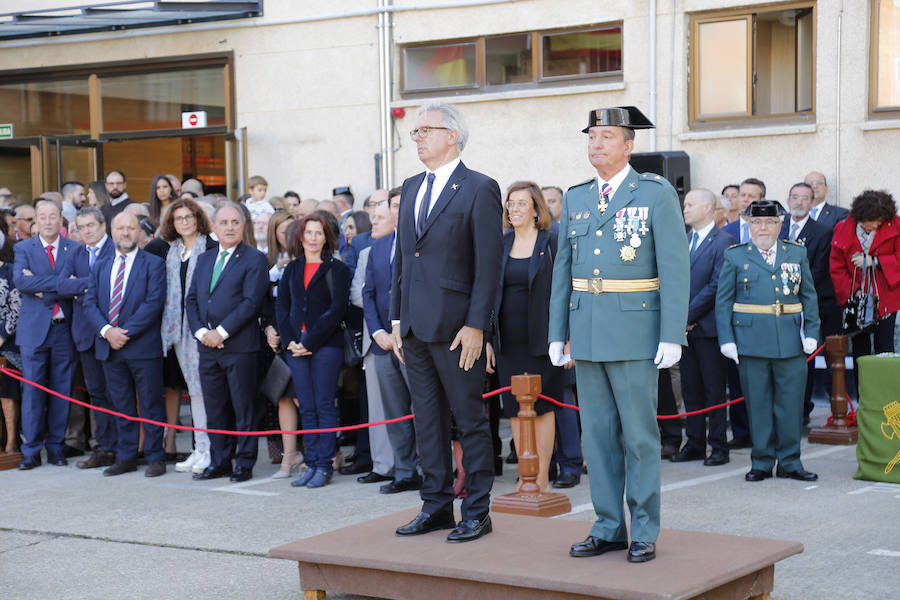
[58,461]
[349,459]
[241,474]
[716,457]
[741,441]
[799,475]
[70,451]
[155,468]
[355,469]
[425,523]
[567,480]
[757,475]
[687,454]
[498,466]
[119,467]
[594,546]
[30,463]
[641,552]
[668,450]
[401,485]
[211,472]
[470,529]
[373,477]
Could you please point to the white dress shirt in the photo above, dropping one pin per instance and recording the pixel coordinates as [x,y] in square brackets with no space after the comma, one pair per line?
[221,330]
[614,182]
[815,210]
[702,233]
[58,313]
[441,177]
[129,262]
[800,225]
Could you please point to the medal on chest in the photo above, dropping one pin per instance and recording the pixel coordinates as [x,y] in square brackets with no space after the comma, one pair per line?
[790,274]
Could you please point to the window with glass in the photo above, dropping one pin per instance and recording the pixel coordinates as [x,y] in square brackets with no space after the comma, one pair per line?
[58,107]
[511,61]
[751,65]
[885,57]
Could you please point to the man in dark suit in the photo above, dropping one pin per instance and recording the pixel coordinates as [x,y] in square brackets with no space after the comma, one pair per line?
[751,190]
[124,304]
[74,280]
[445,278]
[816,237]
[118,197]
[223,306]
[392,378]
[43,334]
[821,211]
[702,364]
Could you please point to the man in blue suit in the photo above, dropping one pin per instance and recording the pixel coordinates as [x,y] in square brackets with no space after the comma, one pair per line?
[392,379]
[223,306]
[74,280]
[824,213]
[702,364]
[124,305]
[445,279]
[44,337]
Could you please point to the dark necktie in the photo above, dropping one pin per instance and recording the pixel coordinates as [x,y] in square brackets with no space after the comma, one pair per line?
[52,266]
[694,241]
[426,202]
[115,303]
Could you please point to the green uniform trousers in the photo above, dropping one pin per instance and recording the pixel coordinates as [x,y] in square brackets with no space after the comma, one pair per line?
[774,389]
[620,435]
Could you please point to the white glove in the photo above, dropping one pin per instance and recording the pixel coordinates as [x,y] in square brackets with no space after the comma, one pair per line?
[810,345]
[557,358]
[730,351]
[667,354]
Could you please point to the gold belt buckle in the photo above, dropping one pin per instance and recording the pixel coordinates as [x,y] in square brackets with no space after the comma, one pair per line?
[596,286]
[779,308]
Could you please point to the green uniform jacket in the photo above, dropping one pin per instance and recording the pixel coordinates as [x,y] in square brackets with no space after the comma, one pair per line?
[745,277]
[615,326]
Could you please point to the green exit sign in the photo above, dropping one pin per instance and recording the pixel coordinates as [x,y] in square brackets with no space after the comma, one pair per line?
[6,131]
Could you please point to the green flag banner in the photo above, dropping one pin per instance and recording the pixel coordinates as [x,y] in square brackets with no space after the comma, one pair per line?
[878,418]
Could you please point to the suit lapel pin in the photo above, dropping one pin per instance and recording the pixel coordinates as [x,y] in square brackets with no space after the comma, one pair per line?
[453,187]
[632,185]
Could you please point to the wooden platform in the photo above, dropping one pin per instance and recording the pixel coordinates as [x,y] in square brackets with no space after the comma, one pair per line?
[10,461]
[526,558]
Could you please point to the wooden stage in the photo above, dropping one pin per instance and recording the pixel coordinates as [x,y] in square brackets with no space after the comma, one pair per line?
[526,558]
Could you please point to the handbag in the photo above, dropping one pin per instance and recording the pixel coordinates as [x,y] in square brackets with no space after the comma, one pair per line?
[352,338]
[276,380]
[861,312]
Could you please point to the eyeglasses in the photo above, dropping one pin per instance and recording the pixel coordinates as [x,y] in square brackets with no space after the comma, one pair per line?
[184,218]
[799,197]
[520,204]
[762,222]
[816,182]
[422,132]
[114,183]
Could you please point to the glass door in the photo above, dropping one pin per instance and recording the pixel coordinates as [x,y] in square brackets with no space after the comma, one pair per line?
[21,167]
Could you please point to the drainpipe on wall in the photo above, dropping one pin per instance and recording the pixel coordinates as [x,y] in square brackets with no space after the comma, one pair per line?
[837,127]
[385,74]
[652,67]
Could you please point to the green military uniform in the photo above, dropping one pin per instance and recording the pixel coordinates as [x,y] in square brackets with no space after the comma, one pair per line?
[606,302]
[761,309]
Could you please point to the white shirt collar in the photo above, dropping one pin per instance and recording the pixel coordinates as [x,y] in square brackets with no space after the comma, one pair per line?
[99,244]
[44,243]
[616,180]
[444,171]
[702,233]
[130,255]
[801,223]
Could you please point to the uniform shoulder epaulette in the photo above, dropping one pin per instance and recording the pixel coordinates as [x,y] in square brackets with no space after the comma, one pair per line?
[738,245]
[794,242]
[587,181]
[653,177]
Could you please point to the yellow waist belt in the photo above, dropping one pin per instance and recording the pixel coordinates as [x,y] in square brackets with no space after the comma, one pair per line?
[768,309]
[595,285]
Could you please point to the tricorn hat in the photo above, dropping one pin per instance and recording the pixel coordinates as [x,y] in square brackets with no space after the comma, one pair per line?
[763,208]
[618,116]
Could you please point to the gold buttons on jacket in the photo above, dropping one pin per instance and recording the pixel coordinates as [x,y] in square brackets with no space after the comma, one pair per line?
[773,277]
[596,271]
[599,233]
[596,251]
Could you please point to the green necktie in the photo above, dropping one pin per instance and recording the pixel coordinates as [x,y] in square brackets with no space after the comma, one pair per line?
[217,270]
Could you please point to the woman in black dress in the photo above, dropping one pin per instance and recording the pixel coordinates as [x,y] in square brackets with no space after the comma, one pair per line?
[519,341]
[10,390]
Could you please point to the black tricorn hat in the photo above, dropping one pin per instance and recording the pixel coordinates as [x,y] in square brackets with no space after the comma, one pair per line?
[763,208]
[618,116]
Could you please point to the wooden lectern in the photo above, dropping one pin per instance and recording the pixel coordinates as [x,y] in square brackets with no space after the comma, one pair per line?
[8,461]
[838,432]
[529,500]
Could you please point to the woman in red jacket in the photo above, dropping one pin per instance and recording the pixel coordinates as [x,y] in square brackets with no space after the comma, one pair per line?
[869,236]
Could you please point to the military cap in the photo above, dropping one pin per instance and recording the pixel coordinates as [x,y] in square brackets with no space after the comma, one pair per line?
[763,208]
[618,116]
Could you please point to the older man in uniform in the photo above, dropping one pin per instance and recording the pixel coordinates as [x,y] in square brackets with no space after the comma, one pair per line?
[767,318]
[620,295]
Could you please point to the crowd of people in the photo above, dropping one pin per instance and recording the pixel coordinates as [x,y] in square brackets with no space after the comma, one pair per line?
[275,312]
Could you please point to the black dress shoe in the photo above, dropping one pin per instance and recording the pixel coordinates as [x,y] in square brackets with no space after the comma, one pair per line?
[567,480]
[356,468]
[741,441]
[70,451]
[799,475]
[349,459]
[425,523]
[641,552]
[757,475]
[155,468]
[212,472]
[716,457]
[470,529]
[687,454]
[58,461]
[373,477]
[594,546]
[30,463]
[668,450]
[401,485]
[119,467]
[241,474]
